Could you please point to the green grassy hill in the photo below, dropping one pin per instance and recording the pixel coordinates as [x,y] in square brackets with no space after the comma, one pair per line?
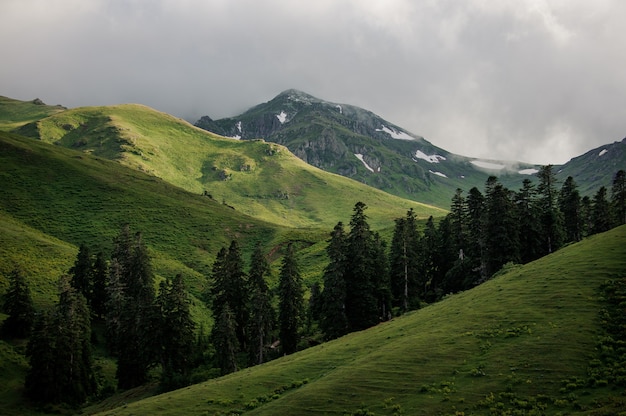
[16,113]
[260,179]
[522,343]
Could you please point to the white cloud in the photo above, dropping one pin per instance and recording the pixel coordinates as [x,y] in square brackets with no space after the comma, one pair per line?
[532,80]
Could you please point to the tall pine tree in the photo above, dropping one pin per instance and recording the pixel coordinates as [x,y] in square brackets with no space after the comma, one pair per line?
[176,334]
[501,233]
[291,303]
[66,375]
[569,204]
[18,304]
[551,217]
[618,197]
[601,212]
[262,315]
[405,262]
[137,343]
[333,320]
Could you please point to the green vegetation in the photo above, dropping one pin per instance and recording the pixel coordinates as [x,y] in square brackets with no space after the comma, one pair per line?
[16,113]
[544,338]
[520,343]
[260,179]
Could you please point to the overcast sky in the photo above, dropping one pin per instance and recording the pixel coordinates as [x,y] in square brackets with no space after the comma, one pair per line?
[538,81]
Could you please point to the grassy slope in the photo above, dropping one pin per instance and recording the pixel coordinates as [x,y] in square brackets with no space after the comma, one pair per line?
[263,179]
[518,336]
[83,199]
[15,113]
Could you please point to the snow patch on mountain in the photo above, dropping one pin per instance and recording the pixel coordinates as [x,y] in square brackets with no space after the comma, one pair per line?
[395,134]
[429,158]
[282,117]
[530,171]
[339,108]
[603,152]
[360,157]
[487,165]
[443,175]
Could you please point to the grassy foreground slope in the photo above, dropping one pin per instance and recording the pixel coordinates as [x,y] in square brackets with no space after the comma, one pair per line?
[260,179]
[514,343]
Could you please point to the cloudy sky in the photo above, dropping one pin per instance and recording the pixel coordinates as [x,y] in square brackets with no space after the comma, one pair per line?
[539,81]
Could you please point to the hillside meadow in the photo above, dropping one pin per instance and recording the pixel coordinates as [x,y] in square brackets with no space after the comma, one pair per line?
[521,343]
[260,179]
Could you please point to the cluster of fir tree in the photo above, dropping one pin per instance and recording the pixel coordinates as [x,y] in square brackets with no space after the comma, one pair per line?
[242,306]
[143,329]
[356,292]
[479,235]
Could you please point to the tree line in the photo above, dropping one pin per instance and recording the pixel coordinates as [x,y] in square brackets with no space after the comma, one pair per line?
[483,231]
[365,281]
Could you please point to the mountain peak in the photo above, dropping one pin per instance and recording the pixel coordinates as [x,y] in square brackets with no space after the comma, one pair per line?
[297,96]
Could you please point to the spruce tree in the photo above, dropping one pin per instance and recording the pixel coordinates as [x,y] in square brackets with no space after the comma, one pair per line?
[569,204]
[551,217]
[475,202]
[230,286]
[81,272]
[618,197]
[225,340]
[61,364]
[404,260]
[600,212]
[18,304]
[380,275]
[176,332]
[99,291]
[361,300]
[431,276]
[137,343]
[262,315]
[291,303]
[528,218]
[333,320]
[501,233]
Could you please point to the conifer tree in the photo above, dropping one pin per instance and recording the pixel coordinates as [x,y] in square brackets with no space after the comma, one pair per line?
[550,216]
[333,320]
[431,280]
[230,286]
[618,197]
[380,275]
[291,302]
[569,204]
[361,300]
[81,272]
[404,259]
[176,334]
[137,343]
[18,304]
[601,212]
[67,374]
[475,202]
[262,315]
[225,340]
[99,291]
[585,216]
[114,306]
[501,233]
[528,216]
